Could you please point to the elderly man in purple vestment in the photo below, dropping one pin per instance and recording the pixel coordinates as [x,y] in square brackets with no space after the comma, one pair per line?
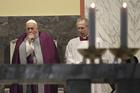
[34,47]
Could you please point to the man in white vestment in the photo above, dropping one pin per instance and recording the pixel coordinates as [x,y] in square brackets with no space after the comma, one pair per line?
[74,57]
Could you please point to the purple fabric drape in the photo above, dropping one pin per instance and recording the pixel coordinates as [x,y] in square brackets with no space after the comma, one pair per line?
[50,56]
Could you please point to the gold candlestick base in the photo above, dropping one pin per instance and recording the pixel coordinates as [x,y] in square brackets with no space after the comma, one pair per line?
[123,53]
[92,53]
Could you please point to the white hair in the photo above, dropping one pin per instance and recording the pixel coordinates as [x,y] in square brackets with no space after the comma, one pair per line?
[31,21]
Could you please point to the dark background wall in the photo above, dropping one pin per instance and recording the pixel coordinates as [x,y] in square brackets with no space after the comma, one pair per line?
[61,28]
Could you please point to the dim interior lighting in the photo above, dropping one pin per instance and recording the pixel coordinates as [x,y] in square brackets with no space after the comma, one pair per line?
[124,4]
[92,5]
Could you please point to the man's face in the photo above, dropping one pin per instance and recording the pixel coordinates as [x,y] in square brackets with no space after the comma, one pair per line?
[82,28]
[31,28]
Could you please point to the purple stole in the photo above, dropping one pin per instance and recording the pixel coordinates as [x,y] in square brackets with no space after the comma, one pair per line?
[50,56]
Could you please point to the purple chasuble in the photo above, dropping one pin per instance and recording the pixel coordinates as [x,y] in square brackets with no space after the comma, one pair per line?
[50,56]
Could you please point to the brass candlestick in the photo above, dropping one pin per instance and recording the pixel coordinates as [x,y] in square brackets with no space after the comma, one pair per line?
[92,53]
[123,53]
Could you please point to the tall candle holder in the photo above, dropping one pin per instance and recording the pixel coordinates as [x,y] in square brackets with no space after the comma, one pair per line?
[92,52]
[124,52]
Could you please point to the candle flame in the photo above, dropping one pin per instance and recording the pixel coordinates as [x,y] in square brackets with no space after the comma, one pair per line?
[124,5]
[92,5]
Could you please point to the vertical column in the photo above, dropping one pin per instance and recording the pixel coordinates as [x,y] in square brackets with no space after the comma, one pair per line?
[82,8]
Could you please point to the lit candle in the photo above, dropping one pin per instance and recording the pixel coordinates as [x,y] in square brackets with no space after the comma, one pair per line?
[124,32]
[92,25]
